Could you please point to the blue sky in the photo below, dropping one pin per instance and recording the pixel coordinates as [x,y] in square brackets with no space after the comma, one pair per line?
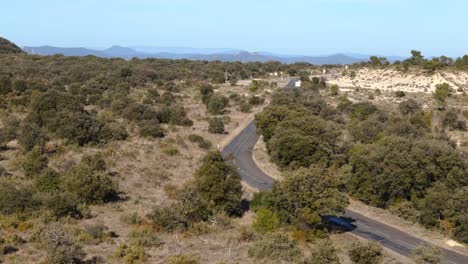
[390,27]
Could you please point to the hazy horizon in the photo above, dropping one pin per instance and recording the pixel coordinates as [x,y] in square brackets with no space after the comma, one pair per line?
[298,27]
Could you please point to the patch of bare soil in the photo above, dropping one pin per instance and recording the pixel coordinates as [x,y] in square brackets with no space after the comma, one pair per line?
[393,80]
[262,159]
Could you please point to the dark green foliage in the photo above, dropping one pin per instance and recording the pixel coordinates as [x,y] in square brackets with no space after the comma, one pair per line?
[361,253]
[442,92]
[16,199]
[256,100]
[266,221]
[450,120]
[362,111]
[216,188]
[34,162]
[303,141]
[219,184]
[10,130]
[202,143]
[89,186]
[216,125]
[245,107]
[189,208]
[31,135]
[216,104]
[380,175]
[113,131]
[276,246]
[48,181]
[303,196]
[7,47]
[151,129]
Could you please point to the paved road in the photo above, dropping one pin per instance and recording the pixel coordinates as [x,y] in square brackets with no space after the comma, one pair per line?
[389,237]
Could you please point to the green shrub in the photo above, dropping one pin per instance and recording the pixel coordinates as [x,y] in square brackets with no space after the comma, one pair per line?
[275,246]
[361,253]
[48,181]
[216,125]
[34,163]
[62,204]
[133,254]
[89,186]
[219,184]
[31,135]
[405,210]
[14,199]
[245,107]
[131,219]
[323,253]
[256,100]
[216,104]
[202,143]
[151,129]
[334,89]
[146,237]
[426,254]
[266,221]
[184,259]
[170,150]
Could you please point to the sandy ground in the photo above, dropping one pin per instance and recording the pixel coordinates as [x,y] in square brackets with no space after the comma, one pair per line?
[392,80]
[262,159]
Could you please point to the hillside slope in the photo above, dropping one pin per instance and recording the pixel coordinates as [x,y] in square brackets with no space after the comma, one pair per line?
[8,47]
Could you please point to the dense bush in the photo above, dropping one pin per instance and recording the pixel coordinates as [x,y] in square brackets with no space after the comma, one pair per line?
[216,125]
[202,143]
[216,188]
[89,186]
[303,196]
[266,221]
[361,253]
[426,254]
[151,129]
[34,162]
[276,246]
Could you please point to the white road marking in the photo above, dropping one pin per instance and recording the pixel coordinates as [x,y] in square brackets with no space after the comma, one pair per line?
[383,234]
[364,225]
[449,261]
[406,244]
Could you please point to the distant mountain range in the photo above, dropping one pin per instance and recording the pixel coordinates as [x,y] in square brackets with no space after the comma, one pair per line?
[229,55]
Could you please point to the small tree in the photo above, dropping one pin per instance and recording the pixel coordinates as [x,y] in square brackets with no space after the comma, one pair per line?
[266,221]
[441,93]
[427,254]
[334,89]
[219,184]
[361,253]
[276,246]
[216,126]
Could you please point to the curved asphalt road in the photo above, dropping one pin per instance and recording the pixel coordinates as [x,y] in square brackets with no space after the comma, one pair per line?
[241,147]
